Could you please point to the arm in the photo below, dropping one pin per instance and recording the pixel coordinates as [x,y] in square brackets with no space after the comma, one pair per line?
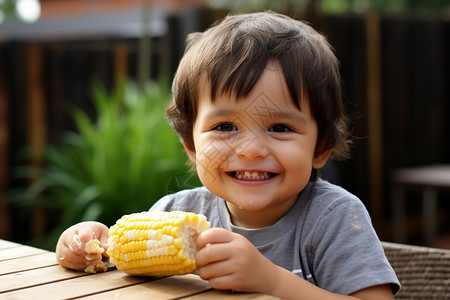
[229,261]
[71,247]
[290,286]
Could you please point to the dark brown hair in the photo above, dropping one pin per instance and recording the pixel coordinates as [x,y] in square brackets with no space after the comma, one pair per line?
[231,56]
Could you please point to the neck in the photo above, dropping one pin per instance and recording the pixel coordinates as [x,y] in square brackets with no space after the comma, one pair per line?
[258,219]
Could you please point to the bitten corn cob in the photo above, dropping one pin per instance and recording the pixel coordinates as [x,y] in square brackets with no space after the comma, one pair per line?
[156,243]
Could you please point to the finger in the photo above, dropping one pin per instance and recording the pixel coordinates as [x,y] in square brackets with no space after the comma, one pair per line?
[216,269]
[213,236]
[74,257]
[99,231]
[81,266]
[72,266]
[212,253]
[86,234]
[224,283]
[76,245]
[104,241]
[70,260]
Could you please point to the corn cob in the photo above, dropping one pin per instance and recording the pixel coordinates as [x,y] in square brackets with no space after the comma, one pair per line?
[156,243]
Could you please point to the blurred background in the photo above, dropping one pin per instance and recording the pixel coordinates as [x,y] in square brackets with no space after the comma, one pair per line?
[84,83]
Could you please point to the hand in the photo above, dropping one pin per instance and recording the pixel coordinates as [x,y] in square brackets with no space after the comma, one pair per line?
[229,261]
[71,247]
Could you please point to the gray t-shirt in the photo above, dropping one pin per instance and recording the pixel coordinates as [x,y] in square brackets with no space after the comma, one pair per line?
[326,237]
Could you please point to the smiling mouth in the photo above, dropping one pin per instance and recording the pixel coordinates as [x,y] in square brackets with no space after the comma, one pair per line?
[251,175]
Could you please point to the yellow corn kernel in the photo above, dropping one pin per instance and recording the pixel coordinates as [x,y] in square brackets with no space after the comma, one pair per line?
[156,243]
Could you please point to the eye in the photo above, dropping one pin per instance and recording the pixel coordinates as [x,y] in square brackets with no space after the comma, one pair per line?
[226,127]
[280,128]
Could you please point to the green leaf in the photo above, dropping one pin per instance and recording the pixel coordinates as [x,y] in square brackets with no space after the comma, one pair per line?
[122,161]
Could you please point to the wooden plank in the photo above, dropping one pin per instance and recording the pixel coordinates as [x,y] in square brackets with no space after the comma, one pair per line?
[77,287]
[120,63]
[36,105]
[27,263]
[29,278]
[374,118]
[37,125]
[7,244]
[54,81]
[217,294]
[5,131]
[164,288]
[16,252]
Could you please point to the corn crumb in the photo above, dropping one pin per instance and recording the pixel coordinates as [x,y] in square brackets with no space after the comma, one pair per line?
[95,267]
[93,247]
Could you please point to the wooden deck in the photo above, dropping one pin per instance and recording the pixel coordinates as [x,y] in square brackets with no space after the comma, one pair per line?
[27,272]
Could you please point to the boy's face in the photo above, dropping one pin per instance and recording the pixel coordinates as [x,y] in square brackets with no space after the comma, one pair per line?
[256,153]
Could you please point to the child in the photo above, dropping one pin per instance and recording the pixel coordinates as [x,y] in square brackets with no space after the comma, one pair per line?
[257,105]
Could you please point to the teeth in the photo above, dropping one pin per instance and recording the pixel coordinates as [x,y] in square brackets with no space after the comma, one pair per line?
[246,175]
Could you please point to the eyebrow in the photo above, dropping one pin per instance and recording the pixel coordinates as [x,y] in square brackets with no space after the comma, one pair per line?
[292,116]
[220,113]
[285,115]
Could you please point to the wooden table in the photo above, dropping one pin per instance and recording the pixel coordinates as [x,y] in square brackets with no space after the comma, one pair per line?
[31,273]
[429,179]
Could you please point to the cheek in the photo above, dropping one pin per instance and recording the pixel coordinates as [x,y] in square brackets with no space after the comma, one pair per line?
[210,160]
[297,160]
[213,155]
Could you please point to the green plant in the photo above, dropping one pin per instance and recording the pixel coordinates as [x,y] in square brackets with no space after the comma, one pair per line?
[121,163]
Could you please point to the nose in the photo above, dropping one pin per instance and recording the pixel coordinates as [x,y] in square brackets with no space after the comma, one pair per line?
[251,146]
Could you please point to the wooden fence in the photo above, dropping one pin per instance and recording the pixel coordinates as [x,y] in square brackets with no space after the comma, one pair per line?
[396,75]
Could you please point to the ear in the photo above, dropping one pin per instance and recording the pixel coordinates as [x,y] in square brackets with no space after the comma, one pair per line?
[321,158]
[191,153]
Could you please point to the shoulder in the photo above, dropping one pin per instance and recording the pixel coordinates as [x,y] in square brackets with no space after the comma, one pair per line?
[323,188]
[340,235]
[332,208]
[335,216]
[185,200]
[325,197]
